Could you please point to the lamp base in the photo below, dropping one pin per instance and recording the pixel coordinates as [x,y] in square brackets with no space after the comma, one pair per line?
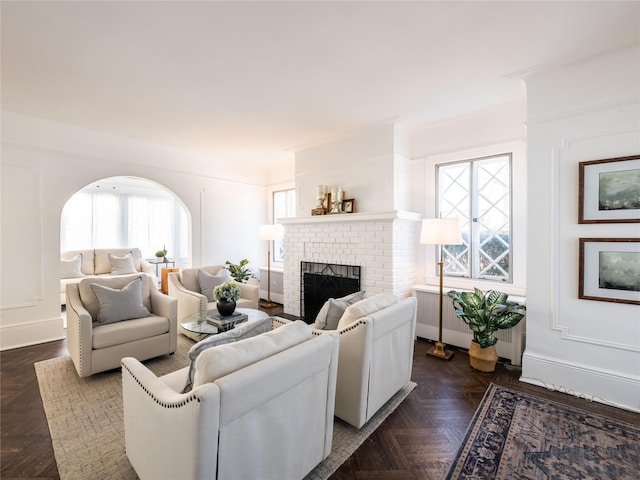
[268,304]
[439,351]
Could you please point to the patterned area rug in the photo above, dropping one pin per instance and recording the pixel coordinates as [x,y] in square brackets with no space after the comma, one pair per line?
[87,430]
[516,435]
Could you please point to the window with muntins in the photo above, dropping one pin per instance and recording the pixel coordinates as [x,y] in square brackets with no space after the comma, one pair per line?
[478,191]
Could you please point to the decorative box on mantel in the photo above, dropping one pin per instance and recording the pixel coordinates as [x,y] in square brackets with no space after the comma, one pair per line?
[383,244]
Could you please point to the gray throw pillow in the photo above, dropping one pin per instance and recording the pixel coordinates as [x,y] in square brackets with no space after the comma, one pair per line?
[71,268]
[240,332]
[122,265]
[115,305]
[333,309]
[208,282]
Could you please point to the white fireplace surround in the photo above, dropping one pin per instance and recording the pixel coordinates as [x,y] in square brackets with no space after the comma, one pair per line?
[384,245]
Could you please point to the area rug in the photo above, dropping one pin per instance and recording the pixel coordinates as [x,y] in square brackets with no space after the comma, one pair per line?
[516,435]
[87,430]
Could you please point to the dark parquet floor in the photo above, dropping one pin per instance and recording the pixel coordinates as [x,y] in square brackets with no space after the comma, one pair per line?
[417,441]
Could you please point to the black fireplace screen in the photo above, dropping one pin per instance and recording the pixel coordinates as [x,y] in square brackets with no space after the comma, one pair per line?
[322,281]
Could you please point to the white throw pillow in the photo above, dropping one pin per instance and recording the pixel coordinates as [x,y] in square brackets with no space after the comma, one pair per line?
[366,307]
[116,305]
[122,265]
[208,282]
[217,362]
[71,268]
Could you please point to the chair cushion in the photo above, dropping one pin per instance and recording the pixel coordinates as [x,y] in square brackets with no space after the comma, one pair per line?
[217,362]
[208,282]
[108,335]
[366,307]
[333,309]
[242,331]
[116,305]
[90,301]
[71,268]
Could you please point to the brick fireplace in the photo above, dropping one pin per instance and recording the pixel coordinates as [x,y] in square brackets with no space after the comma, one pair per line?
[383,245]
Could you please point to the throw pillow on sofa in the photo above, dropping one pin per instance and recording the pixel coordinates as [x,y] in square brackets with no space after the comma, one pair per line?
[208,282]
[241,332]
[116,305]
[122,265]
[333,309]
[366,307]
[71,268]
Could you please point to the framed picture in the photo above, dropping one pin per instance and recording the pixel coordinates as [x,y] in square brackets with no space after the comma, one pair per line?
[610,191]
[610,270]
[349,205]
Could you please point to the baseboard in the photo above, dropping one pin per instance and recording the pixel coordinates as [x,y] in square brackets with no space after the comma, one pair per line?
[582,381]
[32,333]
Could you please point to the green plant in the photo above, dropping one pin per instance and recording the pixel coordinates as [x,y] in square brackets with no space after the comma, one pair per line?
[485,313]
[240,273]
[227,291]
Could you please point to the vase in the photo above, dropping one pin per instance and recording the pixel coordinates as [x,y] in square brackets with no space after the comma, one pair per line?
[483,359]
[226,307]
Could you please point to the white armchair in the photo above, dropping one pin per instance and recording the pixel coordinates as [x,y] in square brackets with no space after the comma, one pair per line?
[101,331]
[261,407]
[185,287]
[376,355]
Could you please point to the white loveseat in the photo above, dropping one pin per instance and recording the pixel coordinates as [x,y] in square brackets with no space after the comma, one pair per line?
[377,337]
[103,329]
[78,264]
[185,286]
[260,408]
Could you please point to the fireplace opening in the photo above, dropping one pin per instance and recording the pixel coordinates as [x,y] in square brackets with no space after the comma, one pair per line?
[321,281]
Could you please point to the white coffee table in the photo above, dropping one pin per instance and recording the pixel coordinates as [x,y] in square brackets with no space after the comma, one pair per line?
[197,324]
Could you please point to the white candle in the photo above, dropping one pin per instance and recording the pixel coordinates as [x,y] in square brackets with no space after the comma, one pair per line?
[340,194]
[334,194]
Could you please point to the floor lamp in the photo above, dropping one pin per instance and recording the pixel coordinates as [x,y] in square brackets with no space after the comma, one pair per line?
[440,231]
[270,233]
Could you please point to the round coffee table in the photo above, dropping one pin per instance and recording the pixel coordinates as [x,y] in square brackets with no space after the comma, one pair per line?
[197,324]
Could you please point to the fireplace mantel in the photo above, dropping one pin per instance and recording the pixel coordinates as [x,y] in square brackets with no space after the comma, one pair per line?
[352,217]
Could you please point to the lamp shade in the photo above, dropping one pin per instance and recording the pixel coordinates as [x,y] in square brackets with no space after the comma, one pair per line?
[270,232]
[441,231]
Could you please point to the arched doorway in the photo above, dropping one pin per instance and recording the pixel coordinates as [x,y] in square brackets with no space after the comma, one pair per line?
[120,212]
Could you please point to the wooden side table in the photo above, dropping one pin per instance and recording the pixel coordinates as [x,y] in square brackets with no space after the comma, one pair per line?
[164,283]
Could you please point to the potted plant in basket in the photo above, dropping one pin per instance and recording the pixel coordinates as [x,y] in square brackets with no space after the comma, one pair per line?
[240,273]
[226,295]
[485,313]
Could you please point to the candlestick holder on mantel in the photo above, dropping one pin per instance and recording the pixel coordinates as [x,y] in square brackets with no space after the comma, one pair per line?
[330,201]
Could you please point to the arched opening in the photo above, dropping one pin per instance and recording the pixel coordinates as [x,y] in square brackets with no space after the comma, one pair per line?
[119,212]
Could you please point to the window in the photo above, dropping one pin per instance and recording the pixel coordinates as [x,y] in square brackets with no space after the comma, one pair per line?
[478,191]
[130,213]
[284,206]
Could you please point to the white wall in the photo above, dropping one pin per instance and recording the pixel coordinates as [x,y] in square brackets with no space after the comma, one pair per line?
[588,110]
[44,163]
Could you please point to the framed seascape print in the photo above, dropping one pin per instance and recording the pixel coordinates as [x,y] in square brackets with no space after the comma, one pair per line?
[610,191]
[610,270]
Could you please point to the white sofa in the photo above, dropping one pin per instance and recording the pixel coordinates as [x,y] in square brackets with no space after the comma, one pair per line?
[260,408]
[377,336]
[78,264]
[97,343]
[185,287]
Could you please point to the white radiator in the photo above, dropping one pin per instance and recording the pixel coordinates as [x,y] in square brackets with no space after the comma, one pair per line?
[455,332]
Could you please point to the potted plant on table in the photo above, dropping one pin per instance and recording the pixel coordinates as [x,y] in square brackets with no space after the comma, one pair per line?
[485,313]
[226,295]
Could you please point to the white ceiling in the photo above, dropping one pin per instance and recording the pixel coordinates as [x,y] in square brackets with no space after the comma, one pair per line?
[247,79]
